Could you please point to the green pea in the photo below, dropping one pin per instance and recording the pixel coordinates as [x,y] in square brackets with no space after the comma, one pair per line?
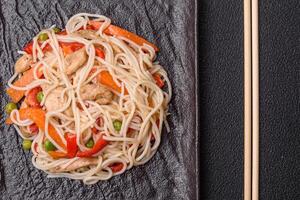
[117,125]
[10,107]
[49,146]
[43,37]
[40,96]
[26,145]
[56,30]
[90,143]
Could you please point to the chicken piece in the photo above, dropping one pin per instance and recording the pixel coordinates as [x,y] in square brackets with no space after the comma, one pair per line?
[45,87]
[69,112]
[87,34]
[115,48]
[75,60]
[96,93]
[82,162]
[53,100]
[23,63]
[50,59]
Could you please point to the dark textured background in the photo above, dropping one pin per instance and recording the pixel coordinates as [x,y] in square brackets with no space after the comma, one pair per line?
[221,99]
[279,99]
[221,119]
[221,103]
[172,173]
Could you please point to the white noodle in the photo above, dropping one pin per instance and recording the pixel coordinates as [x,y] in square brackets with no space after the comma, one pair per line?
[141,105]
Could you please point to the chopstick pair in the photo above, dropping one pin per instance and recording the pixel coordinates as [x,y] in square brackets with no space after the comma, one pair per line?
[251,100]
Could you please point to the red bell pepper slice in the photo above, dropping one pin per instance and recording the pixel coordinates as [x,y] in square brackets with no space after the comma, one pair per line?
[94,130]
[63,32]
[99,122]
[99,53]
[31,98]
[72,147]
[34,129]
[159,82]
[29,46]
[116,167]
[70,47]
[100,144]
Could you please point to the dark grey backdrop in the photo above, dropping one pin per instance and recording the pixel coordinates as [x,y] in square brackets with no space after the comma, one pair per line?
[221,84]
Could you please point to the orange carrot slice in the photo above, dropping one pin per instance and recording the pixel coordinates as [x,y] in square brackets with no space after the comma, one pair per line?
[27,78]
[38,116]
[99,53]
[115,30]
[106,79]
[57,154]
[8,121]
[70,47]
[23,113]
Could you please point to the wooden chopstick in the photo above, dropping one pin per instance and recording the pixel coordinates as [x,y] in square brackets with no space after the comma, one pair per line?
[251,100]
[255,100]
[247,100]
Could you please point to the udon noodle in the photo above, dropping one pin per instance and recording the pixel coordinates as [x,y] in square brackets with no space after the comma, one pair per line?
[74,106]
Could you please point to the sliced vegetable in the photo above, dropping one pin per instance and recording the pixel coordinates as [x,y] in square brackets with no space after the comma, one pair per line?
[90,143]
[40,96]
[106,79]
[10,107]
[70,47]
[116,167]
[34,129]
[117,125]
[35,146]
[56,30]
[63,32]
[31,97]
[99,53]
[117,31]
[100,144]
[38,116]
[72,147]
[43,37]
[49,146]
[26,145]
[100,121]
[27,78]
[28,47]
[94,130]
[23,113]
[57,154]
[152,139]
[8,121]
[159,82]
[47,48]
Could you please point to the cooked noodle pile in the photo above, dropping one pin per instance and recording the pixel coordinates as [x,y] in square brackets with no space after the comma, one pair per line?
[80,101]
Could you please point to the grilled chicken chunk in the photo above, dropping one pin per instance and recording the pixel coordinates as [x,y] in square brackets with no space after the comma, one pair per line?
[95,92]
[23,63]
[75,60]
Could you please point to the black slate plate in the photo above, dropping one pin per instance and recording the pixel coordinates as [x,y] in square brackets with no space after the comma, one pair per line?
[172,173]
